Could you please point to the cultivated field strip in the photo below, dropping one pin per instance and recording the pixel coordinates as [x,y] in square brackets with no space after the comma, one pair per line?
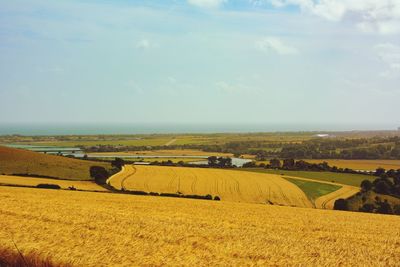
[328,201]
[118,179]
[229,185]
[95,229]
[65,184]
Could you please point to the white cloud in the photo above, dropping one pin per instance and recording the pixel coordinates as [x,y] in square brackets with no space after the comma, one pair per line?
[207,3]
[226,87]
[382,16]
[390,55]
[145,44]
[276,45]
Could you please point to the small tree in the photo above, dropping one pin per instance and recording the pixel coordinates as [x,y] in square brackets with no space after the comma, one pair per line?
[367,207]
[99,174]
[118,163]
[275,163]
[396,210]
[288,164]
[366,185]
[212,161]
[385,208]
[382,187]
[380,171]
[341,204]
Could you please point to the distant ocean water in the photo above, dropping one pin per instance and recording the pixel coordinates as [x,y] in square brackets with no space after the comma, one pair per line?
[164,128]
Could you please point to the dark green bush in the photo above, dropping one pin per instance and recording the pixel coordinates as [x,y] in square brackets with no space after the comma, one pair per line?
[49,186]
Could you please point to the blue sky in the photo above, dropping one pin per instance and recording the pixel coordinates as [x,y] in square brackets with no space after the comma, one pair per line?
[200,61]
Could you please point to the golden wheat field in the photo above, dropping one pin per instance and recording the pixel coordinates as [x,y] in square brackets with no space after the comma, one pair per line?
[102,229]
[65,184]
[227,184]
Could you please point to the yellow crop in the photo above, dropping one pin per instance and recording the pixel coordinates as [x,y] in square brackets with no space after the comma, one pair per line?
[65,184]
[102,229]
[227,184]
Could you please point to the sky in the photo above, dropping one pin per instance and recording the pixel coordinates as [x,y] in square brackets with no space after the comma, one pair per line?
[200,61]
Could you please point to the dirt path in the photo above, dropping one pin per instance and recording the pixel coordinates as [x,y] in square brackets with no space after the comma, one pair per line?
[170,142]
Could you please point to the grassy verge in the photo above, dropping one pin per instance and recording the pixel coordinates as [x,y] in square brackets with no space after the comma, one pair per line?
[314,190]
[342,178]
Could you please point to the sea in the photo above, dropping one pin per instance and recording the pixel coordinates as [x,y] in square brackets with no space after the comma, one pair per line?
[175,128]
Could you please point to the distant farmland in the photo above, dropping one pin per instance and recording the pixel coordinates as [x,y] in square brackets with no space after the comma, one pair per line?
[363,164]
[227,184]
[22,162]
[95,229]
[341,178]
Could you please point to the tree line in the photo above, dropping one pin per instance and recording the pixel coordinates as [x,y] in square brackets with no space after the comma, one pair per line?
[317,148]
[387,184]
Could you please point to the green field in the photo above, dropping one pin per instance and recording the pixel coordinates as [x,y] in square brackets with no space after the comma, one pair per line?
[342,178]
[314,190]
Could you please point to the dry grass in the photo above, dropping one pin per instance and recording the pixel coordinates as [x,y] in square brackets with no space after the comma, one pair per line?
[65,184]
[18,161]
[94,229]
[228,185]
[360,164]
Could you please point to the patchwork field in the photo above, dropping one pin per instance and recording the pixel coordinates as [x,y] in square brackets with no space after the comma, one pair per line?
[65,184]
[227,184]
[369,165]
[18,161]
[333,177]
[94,229]
[167,152]
[313,189]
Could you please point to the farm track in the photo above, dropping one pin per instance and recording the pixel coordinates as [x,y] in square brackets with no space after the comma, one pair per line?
[170,142]
[229,185]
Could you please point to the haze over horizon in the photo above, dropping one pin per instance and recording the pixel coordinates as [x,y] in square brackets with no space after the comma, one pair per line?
[267,62]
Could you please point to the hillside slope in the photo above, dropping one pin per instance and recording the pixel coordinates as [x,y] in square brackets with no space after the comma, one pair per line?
[95,229]
[17,161]
[229,185]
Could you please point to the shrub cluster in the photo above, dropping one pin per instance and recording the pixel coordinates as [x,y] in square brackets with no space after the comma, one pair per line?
[179,195]
[387,184]
[48,186]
